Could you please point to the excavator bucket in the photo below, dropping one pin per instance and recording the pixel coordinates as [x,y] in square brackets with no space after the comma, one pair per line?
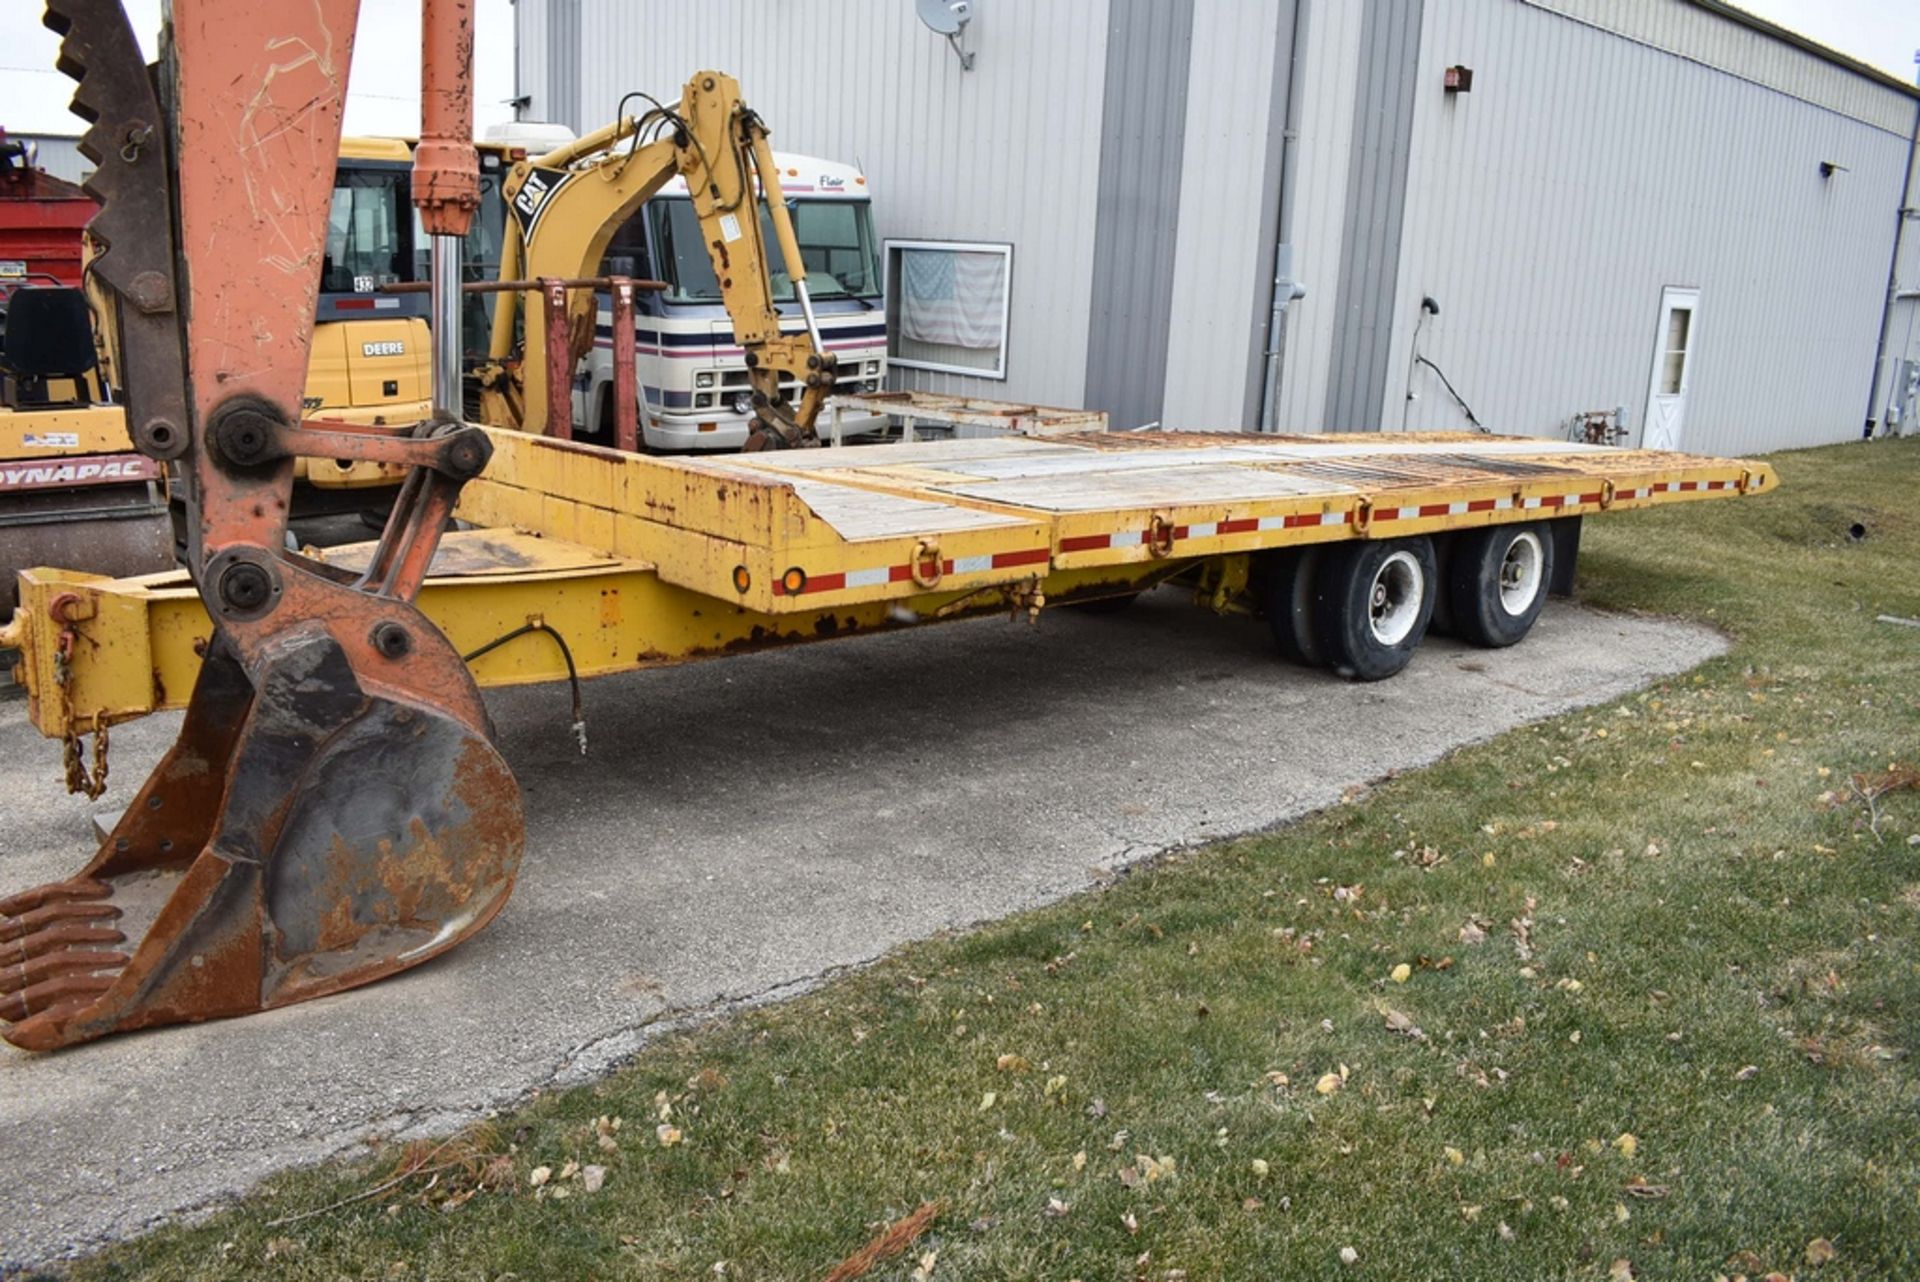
[303,836]
[334,810]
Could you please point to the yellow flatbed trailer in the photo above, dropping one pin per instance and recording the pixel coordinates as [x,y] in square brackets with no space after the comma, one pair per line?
[637,562]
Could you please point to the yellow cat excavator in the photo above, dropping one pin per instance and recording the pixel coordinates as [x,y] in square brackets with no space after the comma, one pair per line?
[565,208]
[334,809]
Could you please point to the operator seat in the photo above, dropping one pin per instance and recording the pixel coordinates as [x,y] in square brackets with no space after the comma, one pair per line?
[49,335]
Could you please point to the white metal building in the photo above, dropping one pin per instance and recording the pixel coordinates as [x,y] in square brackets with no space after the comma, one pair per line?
[58,154]
[1665,206]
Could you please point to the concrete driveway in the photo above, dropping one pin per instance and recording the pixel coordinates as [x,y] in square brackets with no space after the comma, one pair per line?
[741,828]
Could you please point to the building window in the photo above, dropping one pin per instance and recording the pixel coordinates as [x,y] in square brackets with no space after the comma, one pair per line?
[947,306]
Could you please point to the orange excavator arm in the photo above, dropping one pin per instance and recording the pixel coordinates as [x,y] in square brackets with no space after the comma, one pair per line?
[334,809]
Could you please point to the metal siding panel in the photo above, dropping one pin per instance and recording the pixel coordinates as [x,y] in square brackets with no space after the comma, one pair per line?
[1222,262]
[563,63]
[59,156]
[1583,173]
[1700,35]
[1376,191]
[1326,157]
[1137,204]
[950,155]
[530,55]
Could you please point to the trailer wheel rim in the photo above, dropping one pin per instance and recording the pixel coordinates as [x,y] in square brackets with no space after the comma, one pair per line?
[1520,571]
[1394,598]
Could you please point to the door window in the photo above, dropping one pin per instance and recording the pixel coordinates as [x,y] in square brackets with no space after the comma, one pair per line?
[1673,368]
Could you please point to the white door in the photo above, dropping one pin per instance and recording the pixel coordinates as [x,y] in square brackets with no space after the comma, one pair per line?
[1672,370]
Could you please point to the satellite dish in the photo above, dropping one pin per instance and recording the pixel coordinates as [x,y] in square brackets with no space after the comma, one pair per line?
[945,17]
[948,18]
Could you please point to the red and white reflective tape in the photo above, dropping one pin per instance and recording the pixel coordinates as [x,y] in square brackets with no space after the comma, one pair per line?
[1204,530]
[1428,510]
[1674,487]
[881,575]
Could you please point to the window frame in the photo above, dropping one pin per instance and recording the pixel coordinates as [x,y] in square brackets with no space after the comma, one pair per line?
[1004,249]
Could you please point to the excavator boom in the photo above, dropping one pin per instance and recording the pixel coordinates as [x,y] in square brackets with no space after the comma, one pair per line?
[334,809]
[567,205]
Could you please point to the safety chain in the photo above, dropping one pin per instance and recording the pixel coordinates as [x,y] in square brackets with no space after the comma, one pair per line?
[80,779]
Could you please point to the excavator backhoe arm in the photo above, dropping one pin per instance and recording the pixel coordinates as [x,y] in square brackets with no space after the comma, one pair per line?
[334,809]
[567,205]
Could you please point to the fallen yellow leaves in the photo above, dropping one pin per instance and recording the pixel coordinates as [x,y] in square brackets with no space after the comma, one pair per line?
[1401,974]
[1628,1144]
[1147,1169]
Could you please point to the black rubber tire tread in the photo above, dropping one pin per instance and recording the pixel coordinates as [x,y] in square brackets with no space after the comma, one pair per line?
[1342,608]
[1473,584]
[1442,622]
[1288,602]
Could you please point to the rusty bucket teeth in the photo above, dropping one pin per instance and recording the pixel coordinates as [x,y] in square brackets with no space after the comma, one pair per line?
[50,954]
[303,836]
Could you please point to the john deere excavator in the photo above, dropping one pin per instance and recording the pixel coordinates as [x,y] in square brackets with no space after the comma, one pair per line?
[334,809]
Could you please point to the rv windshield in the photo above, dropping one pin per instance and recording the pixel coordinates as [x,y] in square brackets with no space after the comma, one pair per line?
[836,241]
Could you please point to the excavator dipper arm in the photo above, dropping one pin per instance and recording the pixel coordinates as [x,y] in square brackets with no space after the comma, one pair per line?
[334,809]
[568,204]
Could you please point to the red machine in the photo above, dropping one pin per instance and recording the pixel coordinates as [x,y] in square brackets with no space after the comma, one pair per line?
[41,220]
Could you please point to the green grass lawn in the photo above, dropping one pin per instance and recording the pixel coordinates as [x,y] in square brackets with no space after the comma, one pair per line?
[1631,992]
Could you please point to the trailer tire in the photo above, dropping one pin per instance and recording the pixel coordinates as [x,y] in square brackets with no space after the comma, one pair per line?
[1442,622]
[1372,602]
[1289,604]
[1497,582]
